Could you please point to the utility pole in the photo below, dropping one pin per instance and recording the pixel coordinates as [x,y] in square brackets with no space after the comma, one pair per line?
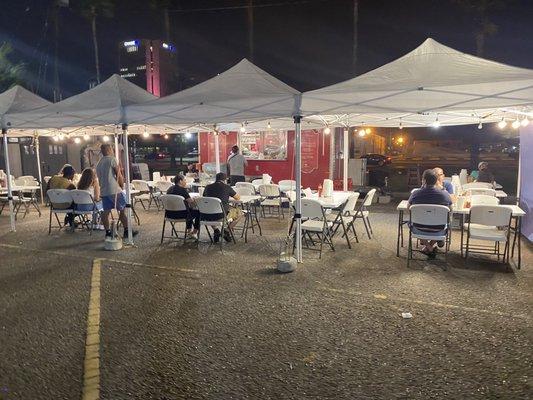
[250,14]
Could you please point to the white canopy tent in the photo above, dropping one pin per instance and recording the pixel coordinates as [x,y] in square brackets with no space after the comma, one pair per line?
[17,100]
[433,84]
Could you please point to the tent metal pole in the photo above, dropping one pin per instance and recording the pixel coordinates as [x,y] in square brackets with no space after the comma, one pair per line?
[519,180]
[298,179]
[345,159]
[117,151]
[9,188]
[127,179]
[331,154]
[39,173]
[217,153]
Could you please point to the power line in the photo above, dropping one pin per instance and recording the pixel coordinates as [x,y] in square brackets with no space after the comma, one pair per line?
[278,4]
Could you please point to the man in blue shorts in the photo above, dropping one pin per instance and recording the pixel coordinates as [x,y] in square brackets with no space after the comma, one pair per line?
[111,184]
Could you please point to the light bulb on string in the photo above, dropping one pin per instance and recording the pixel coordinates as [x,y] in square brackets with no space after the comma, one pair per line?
[368,131]
[188,135]
[327,130]
[77,140]
[56,138]
[105,138]
[502,124]
[516,124]
[145,133]
[436,123]
[525,122]
[480,125]
[86,137]
[61,136]
[165,136]
[243,129]
[269,126]
[362,132]
[400,126]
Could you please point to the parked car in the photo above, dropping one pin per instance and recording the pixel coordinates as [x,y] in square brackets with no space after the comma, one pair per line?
[377,159]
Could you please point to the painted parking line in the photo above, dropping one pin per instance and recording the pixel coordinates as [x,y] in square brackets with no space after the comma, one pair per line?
[91,364]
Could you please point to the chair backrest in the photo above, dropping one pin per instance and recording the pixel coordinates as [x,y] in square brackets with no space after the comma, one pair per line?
[369,197]
[163,186]
[477,185]
[351,202]
[429,214]
[173,202]
[490,215]
[257,181]
[312,209]
[247,185]
[209,205]
[140,185]
[286,185]
[478,191]
[291,194]
[156,176]
[269,190]
[59,198]
[244,190]
[81,197]
[484,200]
[26,180]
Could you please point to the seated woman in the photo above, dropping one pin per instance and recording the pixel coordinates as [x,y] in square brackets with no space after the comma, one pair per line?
[89,182]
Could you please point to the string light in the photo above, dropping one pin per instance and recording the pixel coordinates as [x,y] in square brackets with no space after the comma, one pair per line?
[56,139]
[516,124]
[269,126]
[502,124]
[327,130]
[166,136]
[86,137]
[362,132]
[480,125]
[400,126]
[105,138]
[61,136]
[368,131]
[243,129]
[188,135]
[145,133]
[436,123]
[525,121]
[77,140]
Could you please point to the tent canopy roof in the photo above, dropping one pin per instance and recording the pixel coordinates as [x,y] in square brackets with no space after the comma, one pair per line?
[243,92]
[429,80]
[102,105]
[17,100]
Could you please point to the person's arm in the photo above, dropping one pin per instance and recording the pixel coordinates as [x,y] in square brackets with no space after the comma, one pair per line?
[96,186]
[234,194]
[118,172]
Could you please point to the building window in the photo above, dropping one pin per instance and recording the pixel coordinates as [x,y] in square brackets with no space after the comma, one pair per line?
[132,49]
[128,75]
[141,67]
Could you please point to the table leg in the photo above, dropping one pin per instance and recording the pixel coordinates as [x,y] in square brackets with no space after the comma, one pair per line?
[400,230]
[517,237]
[461,222]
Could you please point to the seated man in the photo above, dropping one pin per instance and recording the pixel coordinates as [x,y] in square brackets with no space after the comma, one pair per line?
[429,193]
[193,219]
[443,184]
[223,191]
[485,175]
[64,181]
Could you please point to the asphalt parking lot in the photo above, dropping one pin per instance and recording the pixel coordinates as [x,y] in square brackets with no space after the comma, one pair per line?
[176,322]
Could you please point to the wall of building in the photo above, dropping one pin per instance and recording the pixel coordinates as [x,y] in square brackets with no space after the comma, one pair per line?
[315,148]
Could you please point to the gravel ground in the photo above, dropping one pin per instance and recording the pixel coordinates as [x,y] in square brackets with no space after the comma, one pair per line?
[182,323]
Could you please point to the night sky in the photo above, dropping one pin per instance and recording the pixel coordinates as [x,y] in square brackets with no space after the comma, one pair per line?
[306,44]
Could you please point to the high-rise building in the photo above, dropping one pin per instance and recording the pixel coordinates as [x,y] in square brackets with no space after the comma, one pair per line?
[150,64]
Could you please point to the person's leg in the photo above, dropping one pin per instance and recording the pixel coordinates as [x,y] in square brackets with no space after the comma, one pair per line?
[195,215]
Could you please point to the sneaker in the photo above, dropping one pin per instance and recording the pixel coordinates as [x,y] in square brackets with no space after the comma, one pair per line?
[192,236]
[227,236]
[133,233]
[216,236]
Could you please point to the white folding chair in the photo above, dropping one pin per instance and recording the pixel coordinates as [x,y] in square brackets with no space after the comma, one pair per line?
[272,199]
[175,211]
[257,182]
[315,223]
[60,203]
[477,185]
[484,200]
[248,185]
[163,186]
[363,213]
[345,218]
[492,224]
[287,184]
[244,190]
[85,205]
[209,207]
[428,222]
[145,195]
[156,176]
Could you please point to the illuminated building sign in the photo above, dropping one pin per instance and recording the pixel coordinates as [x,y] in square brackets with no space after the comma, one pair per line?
[167,46]
[131,43]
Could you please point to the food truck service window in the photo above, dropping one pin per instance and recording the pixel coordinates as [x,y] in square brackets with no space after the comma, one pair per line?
[268,145]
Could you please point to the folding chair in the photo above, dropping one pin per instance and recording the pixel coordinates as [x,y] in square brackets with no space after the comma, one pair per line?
[484,200]
[175,211]
[146,194]
[287,184]
[244,190]
[208,207]
[60,203]
[492,224]
[85,205]
[315,222]
[345,218]
[248,185]
[272,199]
[363,213]
[477,185]
[428,222]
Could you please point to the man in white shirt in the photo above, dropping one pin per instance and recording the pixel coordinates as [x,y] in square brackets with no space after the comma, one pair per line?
[236,165]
